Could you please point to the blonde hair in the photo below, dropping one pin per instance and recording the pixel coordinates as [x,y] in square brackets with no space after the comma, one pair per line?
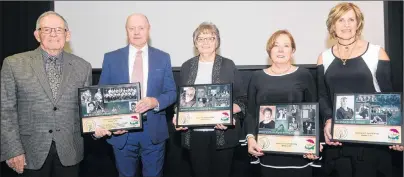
[207,27]
[339,10]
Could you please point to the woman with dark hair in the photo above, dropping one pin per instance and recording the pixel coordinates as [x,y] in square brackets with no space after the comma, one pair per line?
[282,82]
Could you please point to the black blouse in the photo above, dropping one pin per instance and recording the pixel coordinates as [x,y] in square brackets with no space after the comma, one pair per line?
[295,87]
[354,77]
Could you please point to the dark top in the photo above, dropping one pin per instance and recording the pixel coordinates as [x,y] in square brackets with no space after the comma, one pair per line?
[295,87]
[224,71]
[270,125]
[354,77]
[344,114]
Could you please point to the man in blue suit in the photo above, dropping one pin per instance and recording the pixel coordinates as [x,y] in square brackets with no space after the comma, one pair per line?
[139,62]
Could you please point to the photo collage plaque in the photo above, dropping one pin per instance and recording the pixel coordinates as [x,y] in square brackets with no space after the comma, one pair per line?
[288,128]
[368,118]
[205,105]
[111,107]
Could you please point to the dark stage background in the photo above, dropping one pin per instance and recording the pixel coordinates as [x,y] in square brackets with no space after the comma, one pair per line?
[18,20]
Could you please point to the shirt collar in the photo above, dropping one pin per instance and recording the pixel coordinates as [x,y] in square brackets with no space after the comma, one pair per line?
[46,56]
[144,49]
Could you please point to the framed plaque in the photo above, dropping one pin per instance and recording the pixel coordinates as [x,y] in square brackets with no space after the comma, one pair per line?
[205,105]
[109,106]
[368,118]
[288,128]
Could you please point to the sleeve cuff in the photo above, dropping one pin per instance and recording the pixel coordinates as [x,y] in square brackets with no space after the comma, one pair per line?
[157,108]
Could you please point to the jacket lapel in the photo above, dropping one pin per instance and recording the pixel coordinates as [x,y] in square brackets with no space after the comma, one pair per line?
[66,71]
[151,68]
[193,70]
[124,60]
[37,65]
[216,70]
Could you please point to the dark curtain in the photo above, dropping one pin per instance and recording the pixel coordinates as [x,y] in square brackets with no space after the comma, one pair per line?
[18,20]
[17,25]
[393,26]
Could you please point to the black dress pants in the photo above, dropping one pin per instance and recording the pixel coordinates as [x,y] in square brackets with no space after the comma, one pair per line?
[206,160]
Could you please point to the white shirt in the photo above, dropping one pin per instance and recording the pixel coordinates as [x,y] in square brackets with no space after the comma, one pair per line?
[204,75]
[145,56]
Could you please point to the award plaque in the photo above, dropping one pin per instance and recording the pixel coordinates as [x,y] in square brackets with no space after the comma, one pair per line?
[205,105]
[367,118]
[111,107]
[288,128]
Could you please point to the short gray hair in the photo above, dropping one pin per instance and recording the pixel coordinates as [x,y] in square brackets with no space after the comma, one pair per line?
[50,13]
[207,27]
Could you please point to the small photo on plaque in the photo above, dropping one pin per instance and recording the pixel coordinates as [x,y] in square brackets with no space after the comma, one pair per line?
[205,105]
[345,105]
[377,118]
[109,106]
[288,128]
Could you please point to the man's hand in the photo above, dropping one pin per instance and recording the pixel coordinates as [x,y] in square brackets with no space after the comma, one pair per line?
[17,163]
[146,104]
[175,124]
[101,132]
[327,134]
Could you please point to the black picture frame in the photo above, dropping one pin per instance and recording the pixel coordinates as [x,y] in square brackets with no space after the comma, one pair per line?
[377,116]
[262,130]
[107,103]
[208,103]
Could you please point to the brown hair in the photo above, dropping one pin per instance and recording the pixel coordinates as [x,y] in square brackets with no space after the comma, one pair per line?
[339,10]
[271,41]
[207,27]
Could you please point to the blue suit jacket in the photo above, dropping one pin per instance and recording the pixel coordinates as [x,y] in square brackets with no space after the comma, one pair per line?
[160,85]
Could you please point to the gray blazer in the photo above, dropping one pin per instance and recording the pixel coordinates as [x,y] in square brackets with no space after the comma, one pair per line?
[31,118]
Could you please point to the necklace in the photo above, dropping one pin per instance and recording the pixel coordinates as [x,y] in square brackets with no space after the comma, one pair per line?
[290,66]
[346,45]
[342,58]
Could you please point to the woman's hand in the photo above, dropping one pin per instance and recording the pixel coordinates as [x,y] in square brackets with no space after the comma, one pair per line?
[327,134]
[175,124]
[253,148]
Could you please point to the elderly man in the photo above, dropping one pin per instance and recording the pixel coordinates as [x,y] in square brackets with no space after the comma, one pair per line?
[139,62]
[40,124]
[188,98]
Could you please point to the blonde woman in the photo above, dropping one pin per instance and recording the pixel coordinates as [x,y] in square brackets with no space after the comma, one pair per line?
[352,65]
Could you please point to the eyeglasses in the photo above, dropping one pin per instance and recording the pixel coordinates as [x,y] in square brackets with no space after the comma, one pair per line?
[47,30]
[209,39]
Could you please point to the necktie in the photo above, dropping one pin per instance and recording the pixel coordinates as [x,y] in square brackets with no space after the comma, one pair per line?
[137,73]
[53,75]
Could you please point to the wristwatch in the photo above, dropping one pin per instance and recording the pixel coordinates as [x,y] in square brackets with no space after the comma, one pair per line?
[249,136]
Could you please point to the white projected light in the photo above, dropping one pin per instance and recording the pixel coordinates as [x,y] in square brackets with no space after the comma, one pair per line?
[99,27]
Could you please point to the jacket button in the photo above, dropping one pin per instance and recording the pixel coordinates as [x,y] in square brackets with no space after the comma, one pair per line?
[50,131]
[55,108]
